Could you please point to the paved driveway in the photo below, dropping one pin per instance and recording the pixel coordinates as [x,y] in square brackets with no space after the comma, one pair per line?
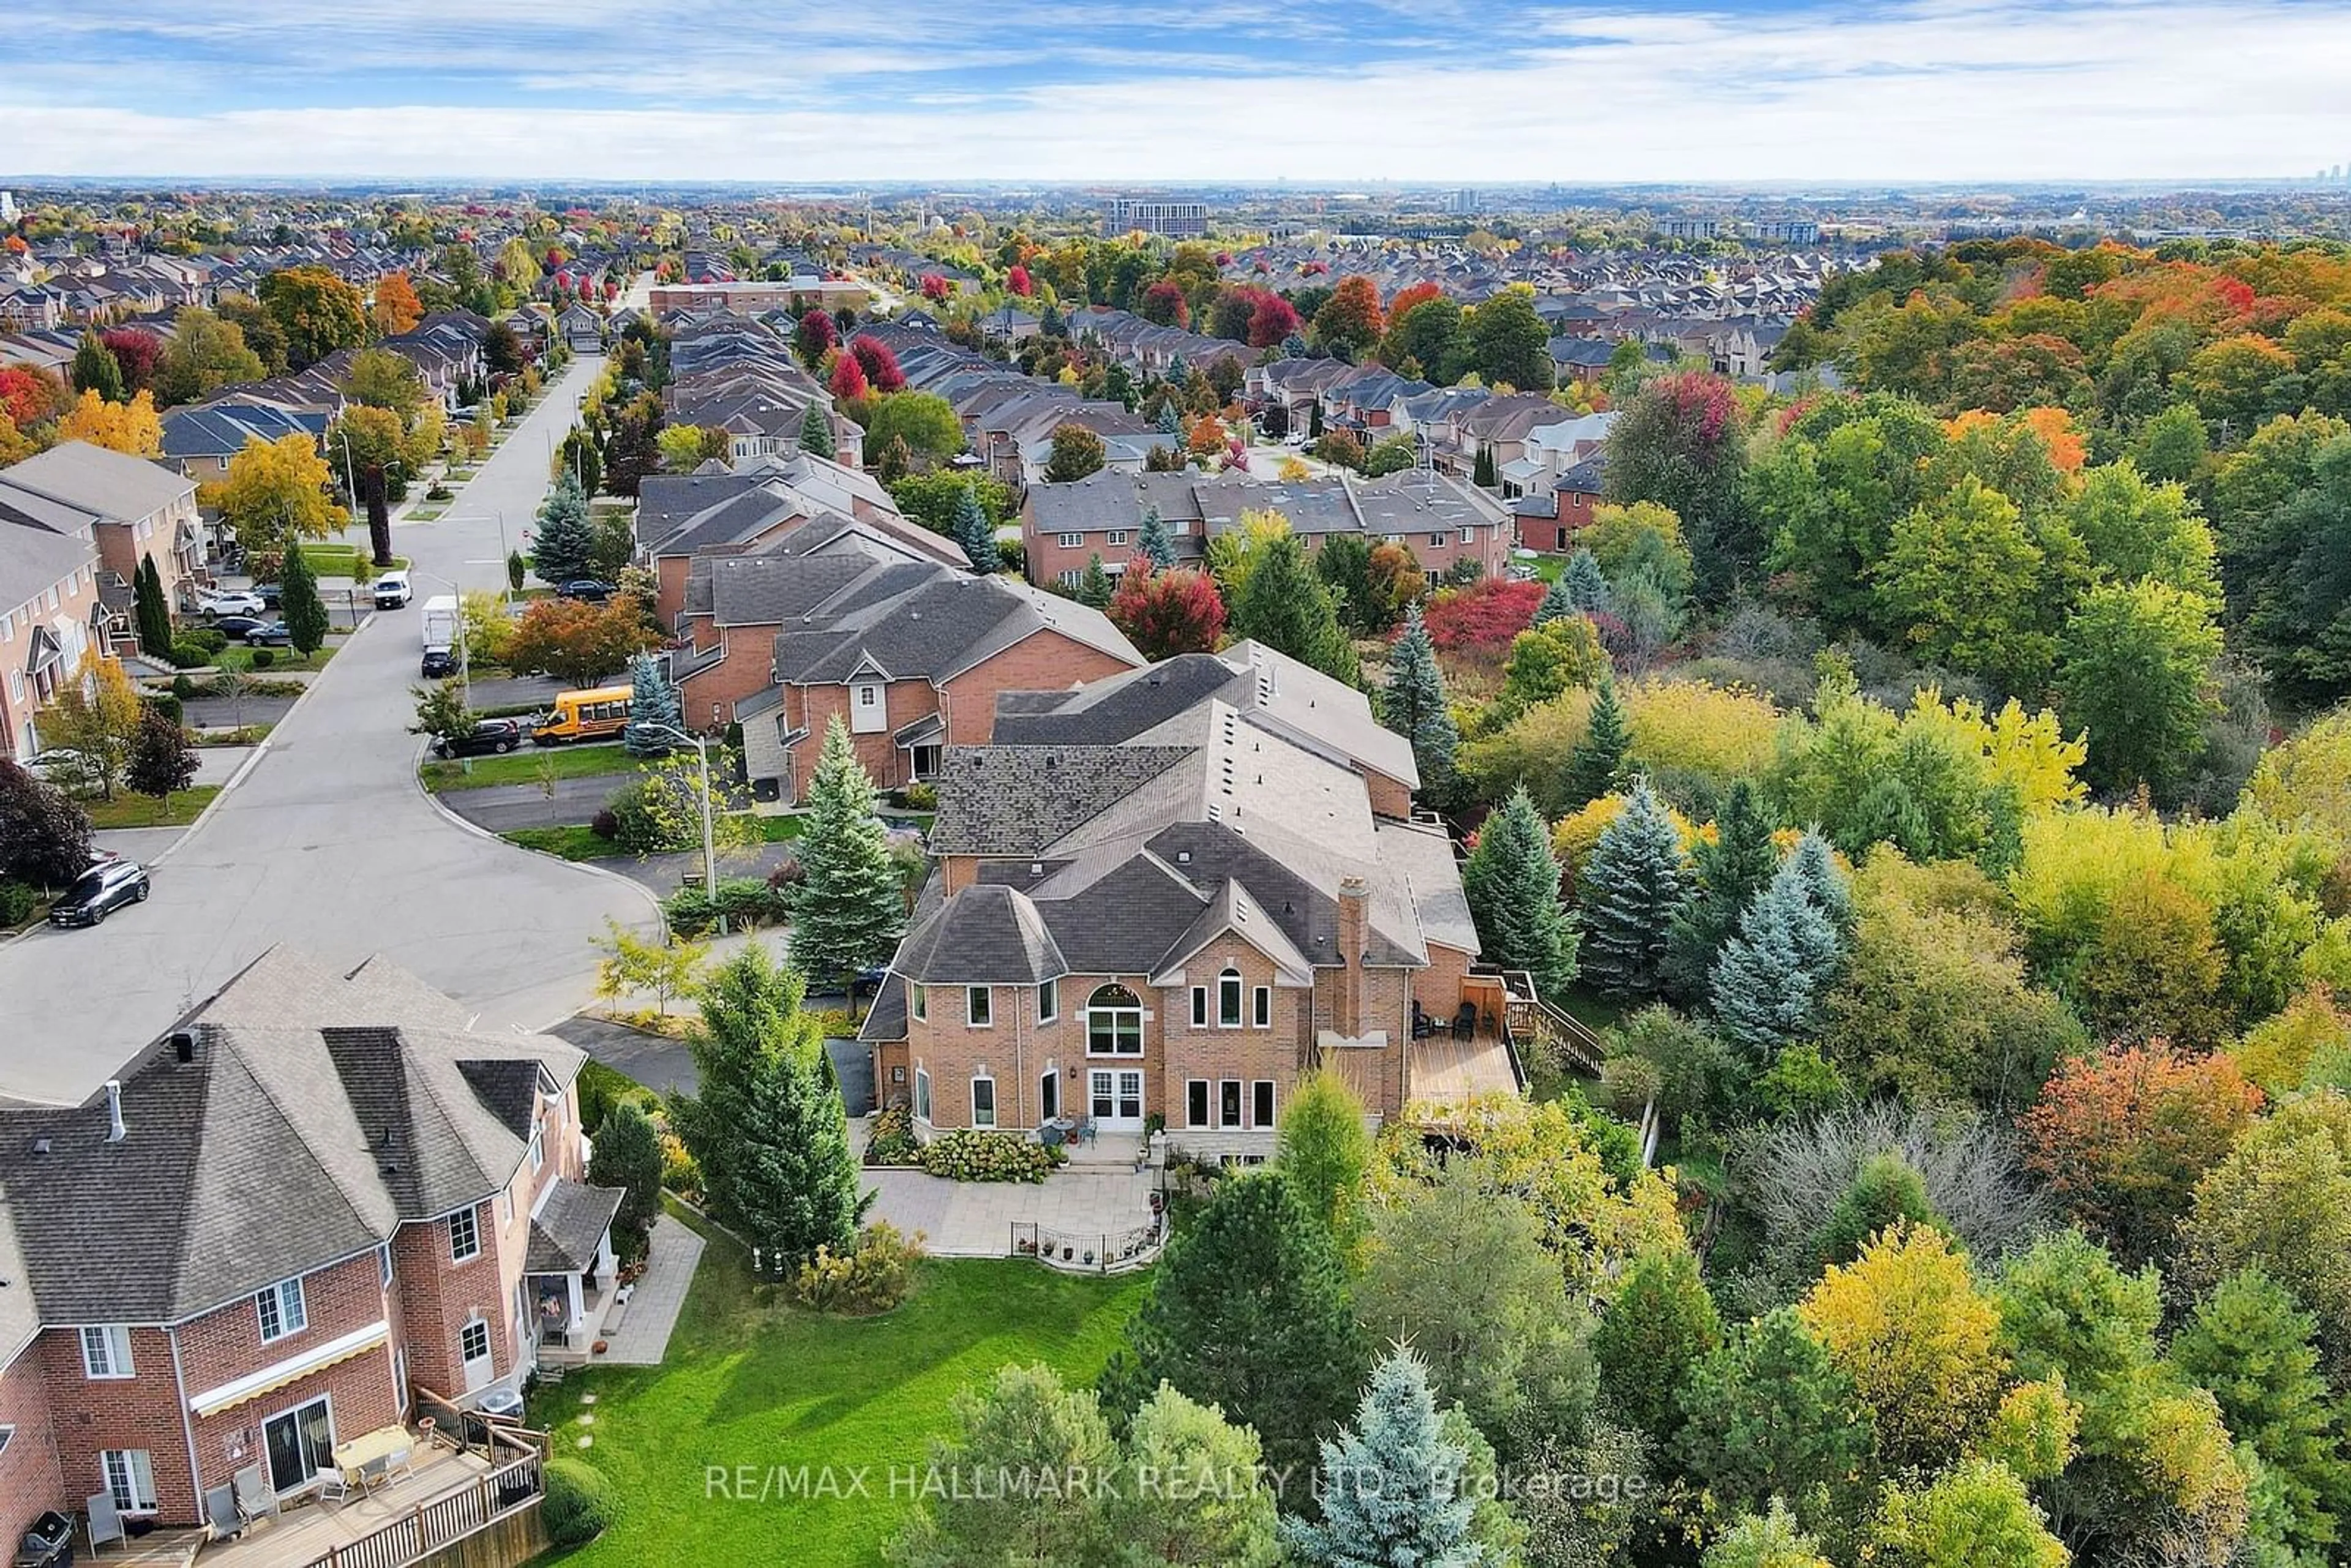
[330,845]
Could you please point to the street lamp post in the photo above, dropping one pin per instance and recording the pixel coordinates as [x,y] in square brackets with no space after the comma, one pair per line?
[701,745]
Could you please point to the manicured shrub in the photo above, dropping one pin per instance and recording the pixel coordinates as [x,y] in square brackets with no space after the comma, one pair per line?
[968,1154]
[211,639]
[17,902]
[874,1277]
[264,657]
[604,824]
[579,1505]
[186,655]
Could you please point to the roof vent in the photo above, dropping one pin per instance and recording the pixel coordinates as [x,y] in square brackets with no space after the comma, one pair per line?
[115,1131]
[1183,857]
[40,1145]
[183,1045]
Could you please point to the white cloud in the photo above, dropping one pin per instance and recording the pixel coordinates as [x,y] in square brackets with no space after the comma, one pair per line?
[1959,89]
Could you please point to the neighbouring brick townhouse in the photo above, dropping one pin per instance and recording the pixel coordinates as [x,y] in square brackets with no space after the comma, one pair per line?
[910,654]
[50,616]
[1444,521]
[318,1195]
[1550,519]
[129,508]
[1162,897]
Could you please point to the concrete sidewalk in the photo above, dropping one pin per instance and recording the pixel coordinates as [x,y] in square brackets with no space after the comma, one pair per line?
[647,1322]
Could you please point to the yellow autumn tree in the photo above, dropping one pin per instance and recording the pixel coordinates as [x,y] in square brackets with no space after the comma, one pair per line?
[128,428]
[1921,1344]
[1720,733]
[276,492]
[96,715]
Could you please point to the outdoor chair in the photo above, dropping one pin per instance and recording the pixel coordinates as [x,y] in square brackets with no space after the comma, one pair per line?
[1084,1132]
[104,1521]
[1465,1023]
[374,1473]
[1423,1026]
[221,1515]
[254,1499]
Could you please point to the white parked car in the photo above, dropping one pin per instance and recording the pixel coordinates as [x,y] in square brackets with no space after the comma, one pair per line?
[391,590]
[230,602]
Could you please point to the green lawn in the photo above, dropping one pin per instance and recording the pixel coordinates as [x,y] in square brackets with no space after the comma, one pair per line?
[750,1381]
[528,765]
[237,658]
[129,810]
[248,735]
[333,559]
[572,843]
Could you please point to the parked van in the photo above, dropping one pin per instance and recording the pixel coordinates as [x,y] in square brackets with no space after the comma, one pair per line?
[585,715]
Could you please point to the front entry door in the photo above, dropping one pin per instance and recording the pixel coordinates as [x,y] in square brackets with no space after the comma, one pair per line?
[1116,1099]
[301,1444]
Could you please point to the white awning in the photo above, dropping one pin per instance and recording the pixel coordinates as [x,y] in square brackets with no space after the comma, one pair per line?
[255,1383]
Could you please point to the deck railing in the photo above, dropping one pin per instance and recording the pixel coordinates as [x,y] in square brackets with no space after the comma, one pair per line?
[1528,1020]
[517,1484]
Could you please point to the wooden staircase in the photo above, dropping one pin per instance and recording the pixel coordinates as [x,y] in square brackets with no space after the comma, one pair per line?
[1529,1017]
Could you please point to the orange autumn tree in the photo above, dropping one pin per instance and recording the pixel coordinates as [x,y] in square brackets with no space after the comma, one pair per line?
[397,308]
[2123,1137]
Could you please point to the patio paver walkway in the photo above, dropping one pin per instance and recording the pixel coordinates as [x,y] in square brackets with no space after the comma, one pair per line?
[643,1334]
[974,1220]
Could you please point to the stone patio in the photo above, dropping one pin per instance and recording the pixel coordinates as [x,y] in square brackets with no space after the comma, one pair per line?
[642,1335]
[1099,1193]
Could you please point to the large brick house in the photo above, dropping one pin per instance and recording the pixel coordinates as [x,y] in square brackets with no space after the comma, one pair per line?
[128,507]
[909,655]
[50,616]
[317,1194]
[1444,520]
[1163,897]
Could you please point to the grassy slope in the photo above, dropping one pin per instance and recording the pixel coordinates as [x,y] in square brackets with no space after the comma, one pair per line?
[524,766]
[129,810]
[748,1382]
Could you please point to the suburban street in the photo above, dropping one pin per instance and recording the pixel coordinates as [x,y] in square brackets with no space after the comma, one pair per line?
[328,843]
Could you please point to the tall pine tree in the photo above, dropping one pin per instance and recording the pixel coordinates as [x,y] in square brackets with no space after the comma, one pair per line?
[1284,605]
[1632,887]
[1095,590]
[1513,884]
[1732,870]
[95,369]
[1557,601]
[1413,705]
[1586,586]
[299,602]
[152,612]
[974,532]
[654,707]
[1769,980]
[816,433]
[1249,1311]
[764,1123]
[564,547]
[1154,541]
[1596,766]
[1391,1485]
[850,910]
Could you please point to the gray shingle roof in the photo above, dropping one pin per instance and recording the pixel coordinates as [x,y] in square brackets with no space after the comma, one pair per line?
[1016,800]
[33,560]
[318,1114]
[105,484]
[995,936]
[567,1232]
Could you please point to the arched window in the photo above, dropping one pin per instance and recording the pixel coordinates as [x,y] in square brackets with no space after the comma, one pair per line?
[1113,1022]
[1229,998]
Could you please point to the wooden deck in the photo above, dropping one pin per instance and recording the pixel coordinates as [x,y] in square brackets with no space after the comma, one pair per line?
[1447,1072]
[301,1536]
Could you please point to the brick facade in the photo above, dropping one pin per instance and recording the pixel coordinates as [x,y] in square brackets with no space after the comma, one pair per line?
[31,1481]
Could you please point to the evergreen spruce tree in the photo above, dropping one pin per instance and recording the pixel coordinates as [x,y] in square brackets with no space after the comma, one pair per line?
[1823,880]
[1391,1484]
[1095,589]
[564,546]
[654,706]
[1768,983]
[152,613]
[299,602]
[1596,766]
[1154,541]
[1659,1323]
[1248,1310]
[849,909]
[1730,871]
[769,1137]
[628,1156]
[1413,705]
[974,532]
[1586,586]
[1481,474]
[816,433]
[1557,600]
[1284,605]
[95,369]
[1632,887]
[1512,883]
[1170,421]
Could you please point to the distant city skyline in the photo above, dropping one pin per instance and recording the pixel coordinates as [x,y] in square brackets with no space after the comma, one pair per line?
[1046,91]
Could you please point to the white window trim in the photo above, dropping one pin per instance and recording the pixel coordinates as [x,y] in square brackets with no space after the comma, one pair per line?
[383,1264]
[138,1479]
[1261,1007]
[978,1007]
[1072,542]
[1200,1007]
[537,1147]
[1230,979]
[976,1080]
[921,1009]
[1273,1093]
[292,1311]
[922,1094]
[467,1327]
[1049,1001]
[1208,1101]
[114,1343]
[1141,1016]
[473,1228]
[1240,1105]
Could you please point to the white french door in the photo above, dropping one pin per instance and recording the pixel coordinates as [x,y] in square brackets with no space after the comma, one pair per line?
[1114,1098]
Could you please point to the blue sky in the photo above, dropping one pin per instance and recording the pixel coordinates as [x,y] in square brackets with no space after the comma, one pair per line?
[1445,91]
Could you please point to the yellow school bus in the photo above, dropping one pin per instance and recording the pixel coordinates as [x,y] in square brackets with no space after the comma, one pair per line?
[585,715]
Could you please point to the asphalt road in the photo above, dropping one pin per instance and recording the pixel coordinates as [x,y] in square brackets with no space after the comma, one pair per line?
[328,843]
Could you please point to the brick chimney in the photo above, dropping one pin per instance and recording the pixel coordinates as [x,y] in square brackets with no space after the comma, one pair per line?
[1355,934]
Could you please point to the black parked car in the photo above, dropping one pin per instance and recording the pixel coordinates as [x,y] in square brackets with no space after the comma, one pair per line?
[439,665]
[490,735]
[242,627]
[273,596]
[587,589]
[104,888]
